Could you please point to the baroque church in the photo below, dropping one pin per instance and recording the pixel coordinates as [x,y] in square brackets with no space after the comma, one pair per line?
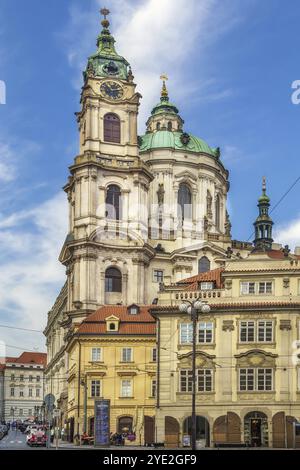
[146,212]
[143,209]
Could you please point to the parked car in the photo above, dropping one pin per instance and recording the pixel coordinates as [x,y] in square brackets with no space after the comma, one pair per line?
[3,430]
[37,437]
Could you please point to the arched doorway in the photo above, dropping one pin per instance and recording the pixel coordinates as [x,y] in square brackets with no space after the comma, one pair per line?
[227,429]
[256,429]
[171,432]
[149,430]
[202,429]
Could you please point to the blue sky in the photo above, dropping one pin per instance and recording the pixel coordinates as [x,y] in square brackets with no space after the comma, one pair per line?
[230,63]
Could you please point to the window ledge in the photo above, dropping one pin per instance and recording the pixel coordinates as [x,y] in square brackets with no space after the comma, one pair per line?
[126,398]
[197,393]
[198,345]
[256,392]
[256,343]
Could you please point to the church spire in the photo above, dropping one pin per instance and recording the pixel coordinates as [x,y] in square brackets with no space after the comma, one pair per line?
[106,62]
[263,223]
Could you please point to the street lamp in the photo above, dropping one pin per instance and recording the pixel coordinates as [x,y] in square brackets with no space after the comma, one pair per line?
[83,382]
[193,309]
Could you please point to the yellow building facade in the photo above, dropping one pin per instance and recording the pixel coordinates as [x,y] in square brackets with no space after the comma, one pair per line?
[112,355]
[248,387]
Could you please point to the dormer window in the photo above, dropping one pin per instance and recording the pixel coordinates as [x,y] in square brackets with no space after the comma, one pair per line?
[112,323]
[133,309]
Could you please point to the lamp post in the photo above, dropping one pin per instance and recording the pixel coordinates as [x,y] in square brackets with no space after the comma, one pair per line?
[83,382]
[193,308]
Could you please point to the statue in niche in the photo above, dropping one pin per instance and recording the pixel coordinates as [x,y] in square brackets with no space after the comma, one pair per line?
[208,205]
[160,194]
[227,225]
[206,224]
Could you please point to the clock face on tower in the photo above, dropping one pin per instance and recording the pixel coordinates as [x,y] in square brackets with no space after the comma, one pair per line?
[112,90]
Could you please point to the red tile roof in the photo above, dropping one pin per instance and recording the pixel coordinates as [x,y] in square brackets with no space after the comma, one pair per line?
[140,324]
[191,283]
[279,254]
[29,358]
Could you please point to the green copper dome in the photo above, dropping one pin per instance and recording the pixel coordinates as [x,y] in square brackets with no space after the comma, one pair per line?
[173,140]
[106,62]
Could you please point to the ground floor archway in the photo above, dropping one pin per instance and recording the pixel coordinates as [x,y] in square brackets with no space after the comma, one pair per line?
[227,429]
[149,430]
[172,431]
[256,432]
[202,429]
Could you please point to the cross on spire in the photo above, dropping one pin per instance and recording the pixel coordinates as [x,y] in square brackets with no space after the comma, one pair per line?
[164,91]
[105,12]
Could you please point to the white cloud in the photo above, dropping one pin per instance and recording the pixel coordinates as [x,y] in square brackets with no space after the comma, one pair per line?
[7,163]
[30,274]
[288,234]
[156,36]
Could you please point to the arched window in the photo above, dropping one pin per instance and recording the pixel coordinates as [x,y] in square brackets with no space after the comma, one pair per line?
[184,202]
[112,128]
[169,126]
[113,202]
[203,265]
[125,425]
[217,212]
[158,126]
[113,280]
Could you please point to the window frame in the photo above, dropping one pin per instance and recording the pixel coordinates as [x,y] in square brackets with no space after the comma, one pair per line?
[256,331]
[98,356]
[113,283]
[208,376]
[256,287]
[157,278]
[95,388]
[129,388]
[189,332]
[124,352]
[111,128]
[205,330]
[254,373]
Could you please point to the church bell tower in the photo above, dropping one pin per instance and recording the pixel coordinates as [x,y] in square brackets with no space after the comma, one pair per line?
[106,250]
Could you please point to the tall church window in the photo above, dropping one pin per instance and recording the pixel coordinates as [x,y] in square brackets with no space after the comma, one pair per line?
[169,126]
[217,212]
[112,128]
[184,202]
[203,265]
[113,202]
[158,126]
[113,280]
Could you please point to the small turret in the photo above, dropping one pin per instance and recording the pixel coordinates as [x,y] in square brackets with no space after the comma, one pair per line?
[164,116]
[263,223]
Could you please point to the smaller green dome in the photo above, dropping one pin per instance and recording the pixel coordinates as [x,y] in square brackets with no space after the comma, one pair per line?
[172,140]
[264,198]
[165,106]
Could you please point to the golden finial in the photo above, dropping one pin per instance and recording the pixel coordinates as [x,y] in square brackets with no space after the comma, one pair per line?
[105,12]
[164,91]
